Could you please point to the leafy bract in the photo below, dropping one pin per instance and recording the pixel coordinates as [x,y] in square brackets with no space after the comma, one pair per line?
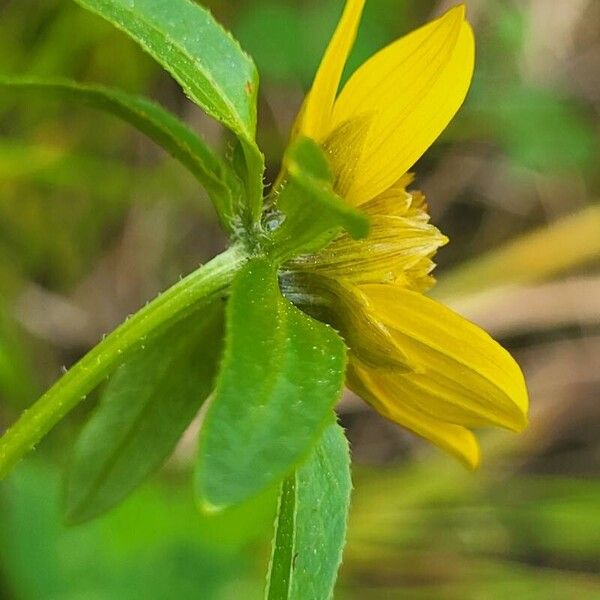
[311,523]
[314,213]
[280,376]
[208,63]
[148,403]
[158,124]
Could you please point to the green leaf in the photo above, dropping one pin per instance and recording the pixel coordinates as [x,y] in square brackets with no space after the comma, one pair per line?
[147,405]
[311,523]
[281,374]
[161,126]
[208,63]
[314,213]
[186,40]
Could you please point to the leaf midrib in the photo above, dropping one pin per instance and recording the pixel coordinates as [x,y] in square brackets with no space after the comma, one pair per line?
[128,434]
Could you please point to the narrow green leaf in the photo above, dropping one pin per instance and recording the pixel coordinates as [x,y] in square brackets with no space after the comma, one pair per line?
[217,177]
[281,374]
[208,63]
[310,529]
[186,40]
[314,213]
[147,405]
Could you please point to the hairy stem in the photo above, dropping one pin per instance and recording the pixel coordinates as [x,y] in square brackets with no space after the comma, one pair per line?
[98,363]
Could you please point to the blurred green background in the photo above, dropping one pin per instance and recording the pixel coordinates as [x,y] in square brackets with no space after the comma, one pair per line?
[95,220]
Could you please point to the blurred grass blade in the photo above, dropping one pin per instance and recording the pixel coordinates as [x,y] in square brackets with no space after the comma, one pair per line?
[158,124]
[281,374]
[208,63]
[17,378]
[311,523]
[541,254]
[147,405]
[314,213]
[541,307]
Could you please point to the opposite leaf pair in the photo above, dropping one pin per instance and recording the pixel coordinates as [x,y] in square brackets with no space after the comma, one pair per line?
[270,420]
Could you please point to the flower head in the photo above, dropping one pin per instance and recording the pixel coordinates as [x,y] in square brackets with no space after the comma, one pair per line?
[415,361]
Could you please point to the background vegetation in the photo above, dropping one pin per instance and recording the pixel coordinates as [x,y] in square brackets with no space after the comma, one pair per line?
[95,221]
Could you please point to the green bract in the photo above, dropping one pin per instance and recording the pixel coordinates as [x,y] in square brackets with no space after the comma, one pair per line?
[313,213]
[225,333]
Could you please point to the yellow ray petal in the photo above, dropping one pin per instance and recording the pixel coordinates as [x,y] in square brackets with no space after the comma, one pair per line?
[346,308]
[469,378]
[315,115]
[411,90]
[454,439]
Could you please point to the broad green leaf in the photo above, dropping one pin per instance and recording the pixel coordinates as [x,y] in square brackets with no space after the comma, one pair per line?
[280,376]
[147,405]
[313,212]
[158,124]
[207,62]
[310,529]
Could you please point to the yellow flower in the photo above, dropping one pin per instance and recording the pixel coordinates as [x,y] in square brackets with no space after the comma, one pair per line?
[414,360]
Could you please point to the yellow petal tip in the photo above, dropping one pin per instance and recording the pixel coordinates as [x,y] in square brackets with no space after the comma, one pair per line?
[472,458]
[459,12]
[521,423]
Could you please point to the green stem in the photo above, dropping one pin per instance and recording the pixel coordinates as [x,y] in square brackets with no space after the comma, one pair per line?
[99,362]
